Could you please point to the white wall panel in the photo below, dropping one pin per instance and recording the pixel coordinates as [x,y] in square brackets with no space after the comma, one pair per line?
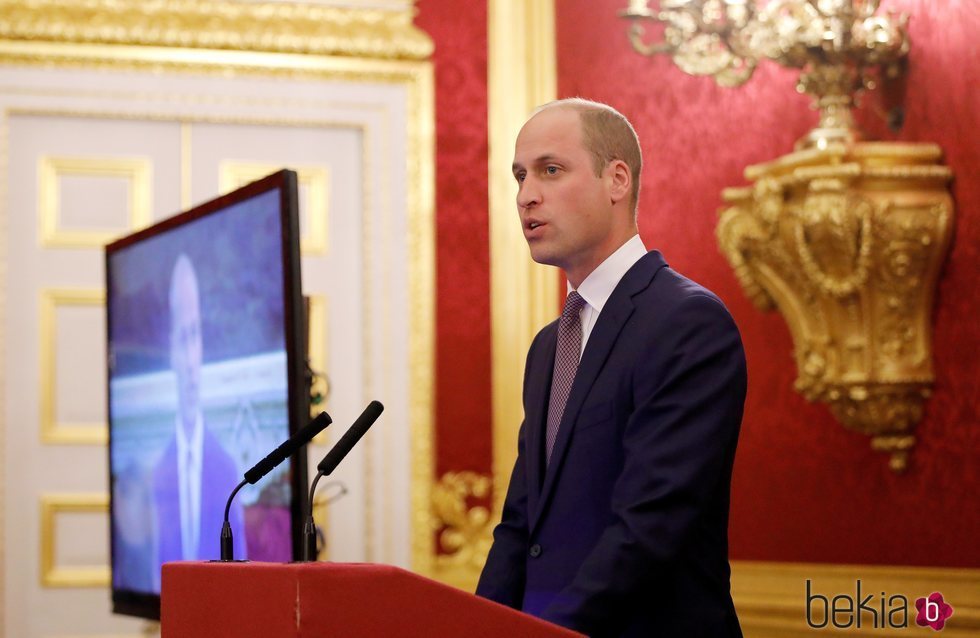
[186,128]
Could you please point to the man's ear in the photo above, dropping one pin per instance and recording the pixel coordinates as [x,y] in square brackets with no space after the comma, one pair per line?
[620,180]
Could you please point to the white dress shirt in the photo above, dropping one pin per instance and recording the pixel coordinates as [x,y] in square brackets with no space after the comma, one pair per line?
[189,452]
[601,282]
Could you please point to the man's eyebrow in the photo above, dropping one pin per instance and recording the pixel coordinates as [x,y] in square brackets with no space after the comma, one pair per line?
[541,159]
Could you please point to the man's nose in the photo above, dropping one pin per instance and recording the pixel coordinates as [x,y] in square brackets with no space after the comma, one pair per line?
[528,195]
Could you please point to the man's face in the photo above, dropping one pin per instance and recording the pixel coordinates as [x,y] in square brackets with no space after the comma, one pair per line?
[185,344]
[564,207]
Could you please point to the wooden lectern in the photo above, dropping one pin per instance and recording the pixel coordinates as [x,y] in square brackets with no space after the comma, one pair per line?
[348,600]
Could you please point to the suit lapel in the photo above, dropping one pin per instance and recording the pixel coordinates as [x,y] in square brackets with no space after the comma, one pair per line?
[539,380]
[616,312]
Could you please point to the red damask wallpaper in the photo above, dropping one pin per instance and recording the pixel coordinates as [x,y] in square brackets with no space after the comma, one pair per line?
[462,387]
[806,489]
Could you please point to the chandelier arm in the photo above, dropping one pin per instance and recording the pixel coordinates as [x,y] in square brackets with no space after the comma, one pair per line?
[636,35]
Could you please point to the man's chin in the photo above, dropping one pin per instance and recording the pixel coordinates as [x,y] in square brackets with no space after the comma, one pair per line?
[543,257]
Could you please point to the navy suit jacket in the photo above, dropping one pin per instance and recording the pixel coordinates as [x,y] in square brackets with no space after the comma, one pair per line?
[625,532]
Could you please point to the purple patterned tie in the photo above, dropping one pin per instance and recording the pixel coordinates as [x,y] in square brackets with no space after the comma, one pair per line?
[567,355]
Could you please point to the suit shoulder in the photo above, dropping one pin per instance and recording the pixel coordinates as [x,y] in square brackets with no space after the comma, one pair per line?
[671,290]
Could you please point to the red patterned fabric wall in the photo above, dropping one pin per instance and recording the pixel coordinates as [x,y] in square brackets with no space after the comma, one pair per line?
[462,386]
[806,489]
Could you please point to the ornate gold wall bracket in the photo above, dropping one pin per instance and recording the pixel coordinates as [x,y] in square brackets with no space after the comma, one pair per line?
[848,242]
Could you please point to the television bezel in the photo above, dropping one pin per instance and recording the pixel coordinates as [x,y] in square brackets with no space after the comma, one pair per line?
[140,604]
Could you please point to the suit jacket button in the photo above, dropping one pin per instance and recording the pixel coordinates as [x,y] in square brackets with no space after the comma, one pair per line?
[535,550]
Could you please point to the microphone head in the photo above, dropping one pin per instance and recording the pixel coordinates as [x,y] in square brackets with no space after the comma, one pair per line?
[372,411]
[350,438]
[290,446]
[315,426]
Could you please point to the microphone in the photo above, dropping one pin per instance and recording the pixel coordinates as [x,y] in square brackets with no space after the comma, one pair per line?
[350,438]
[287,449]
[330,462]
[263,467]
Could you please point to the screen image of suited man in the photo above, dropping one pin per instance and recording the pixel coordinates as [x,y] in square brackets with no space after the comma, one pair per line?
[195,474]
[615,521]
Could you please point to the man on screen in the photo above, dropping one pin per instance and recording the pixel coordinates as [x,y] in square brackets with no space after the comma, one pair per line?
[195,475]
[616,519]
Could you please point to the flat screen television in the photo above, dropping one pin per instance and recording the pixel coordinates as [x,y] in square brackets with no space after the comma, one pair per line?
[206,365]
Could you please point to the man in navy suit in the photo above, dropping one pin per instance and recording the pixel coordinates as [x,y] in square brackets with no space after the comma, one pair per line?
[195,475]
[616,518]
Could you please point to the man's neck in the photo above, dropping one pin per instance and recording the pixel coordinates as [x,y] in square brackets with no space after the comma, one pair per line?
[576,276]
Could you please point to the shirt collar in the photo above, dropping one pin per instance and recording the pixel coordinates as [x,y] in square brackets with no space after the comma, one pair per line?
[601,282]
[196,439]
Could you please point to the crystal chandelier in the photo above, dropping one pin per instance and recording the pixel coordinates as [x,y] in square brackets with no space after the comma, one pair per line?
[837,45]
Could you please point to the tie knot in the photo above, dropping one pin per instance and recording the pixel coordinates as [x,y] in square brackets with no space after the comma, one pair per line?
[573,304]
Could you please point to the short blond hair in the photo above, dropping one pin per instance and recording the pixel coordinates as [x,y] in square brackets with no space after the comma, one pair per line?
[608,136]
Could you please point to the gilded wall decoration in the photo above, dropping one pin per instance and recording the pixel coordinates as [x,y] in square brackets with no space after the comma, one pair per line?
[460,502]
[848,242]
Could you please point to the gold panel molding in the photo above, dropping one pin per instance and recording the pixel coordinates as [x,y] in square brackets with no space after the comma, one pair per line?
[53,575]
[316,181]
[467,527]
[136,170]
[318,357]
[770,598]
[848,242]
[51,430]
[282,27]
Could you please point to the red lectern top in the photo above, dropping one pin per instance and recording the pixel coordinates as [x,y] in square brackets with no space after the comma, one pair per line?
[349,600]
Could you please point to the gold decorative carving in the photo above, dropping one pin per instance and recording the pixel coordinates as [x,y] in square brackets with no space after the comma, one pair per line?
[837,45]
[281,27]
[136,170]
[53,575]
[51,430]
[848,243]
[465,536]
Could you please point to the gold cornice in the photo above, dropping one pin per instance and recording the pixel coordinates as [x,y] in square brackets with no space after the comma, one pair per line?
[276,27]
[209,61]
